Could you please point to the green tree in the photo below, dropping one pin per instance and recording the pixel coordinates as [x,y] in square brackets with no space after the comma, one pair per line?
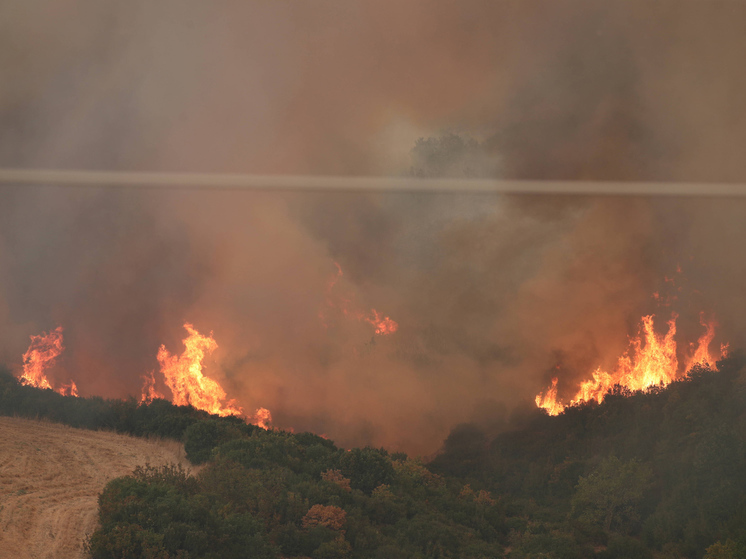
[202,437]
[367,468]
[611,493]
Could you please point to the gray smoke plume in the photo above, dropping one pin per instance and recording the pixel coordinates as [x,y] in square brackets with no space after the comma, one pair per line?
[493,294]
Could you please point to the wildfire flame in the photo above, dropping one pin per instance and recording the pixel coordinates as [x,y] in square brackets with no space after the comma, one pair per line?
[262,418]
[183,375]
[651,360]
[702,354]
[41,354]
[149,391]
[383,325]
[69,389]
[548,401]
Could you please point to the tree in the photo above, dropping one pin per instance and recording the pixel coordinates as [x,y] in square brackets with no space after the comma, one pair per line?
[611,493]
[367,468]
[331,517]
[727,550]
[202,437]
[451,155]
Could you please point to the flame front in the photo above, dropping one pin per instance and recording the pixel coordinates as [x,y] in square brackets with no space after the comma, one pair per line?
[650,361]
[183,375]
[41,354]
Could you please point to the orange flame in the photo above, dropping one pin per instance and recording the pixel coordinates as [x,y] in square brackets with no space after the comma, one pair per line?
[702,354]
[69,389]
[41,354]
[183,374]
[262,418]
[644,365]
[383,325]
[149,391]
[548,401]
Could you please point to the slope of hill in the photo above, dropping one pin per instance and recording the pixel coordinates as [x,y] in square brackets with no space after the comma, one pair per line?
[645,475]
[50,479]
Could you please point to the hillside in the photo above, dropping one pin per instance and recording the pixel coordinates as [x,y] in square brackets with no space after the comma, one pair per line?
[644,474]
[654,475]
[50,479]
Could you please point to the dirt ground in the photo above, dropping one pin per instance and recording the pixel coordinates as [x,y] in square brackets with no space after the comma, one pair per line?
[50,478]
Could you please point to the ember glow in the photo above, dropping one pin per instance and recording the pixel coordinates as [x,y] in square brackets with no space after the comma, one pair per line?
[651,360]
[383,324]
[184,377]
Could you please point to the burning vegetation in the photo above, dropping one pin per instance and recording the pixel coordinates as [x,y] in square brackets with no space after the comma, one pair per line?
[182,375]
[651,360]
[382,324]
[39,357]
[189,386]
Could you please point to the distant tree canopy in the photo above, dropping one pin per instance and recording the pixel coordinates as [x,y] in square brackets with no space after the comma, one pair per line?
[451,155]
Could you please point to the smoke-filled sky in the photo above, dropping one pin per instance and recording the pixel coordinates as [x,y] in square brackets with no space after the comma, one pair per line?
[492,294]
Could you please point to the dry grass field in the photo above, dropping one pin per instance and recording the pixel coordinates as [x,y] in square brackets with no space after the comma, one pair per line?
[50,478]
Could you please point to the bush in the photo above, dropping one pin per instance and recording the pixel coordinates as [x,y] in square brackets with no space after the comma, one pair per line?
[202,437]
[367,468]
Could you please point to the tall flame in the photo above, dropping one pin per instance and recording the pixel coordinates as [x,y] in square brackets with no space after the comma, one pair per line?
[183,375]
[651,360]
[41,354]
[702,354]
[548,401]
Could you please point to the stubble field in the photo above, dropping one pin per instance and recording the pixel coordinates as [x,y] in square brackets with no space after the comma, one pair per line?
[50,479]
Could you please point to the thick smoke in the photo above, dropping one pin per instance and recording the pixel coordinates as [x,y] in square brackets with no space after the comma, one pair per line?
[493,295]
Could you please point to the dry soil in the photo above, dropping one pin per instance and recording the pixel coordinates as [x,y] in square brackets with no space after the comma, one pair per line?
[50,479]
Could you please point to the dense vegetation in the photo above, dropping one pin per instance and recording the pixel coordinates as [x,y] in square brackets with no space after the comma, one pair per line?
[645,474]
[268,493]
[160,418]
[657,474]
